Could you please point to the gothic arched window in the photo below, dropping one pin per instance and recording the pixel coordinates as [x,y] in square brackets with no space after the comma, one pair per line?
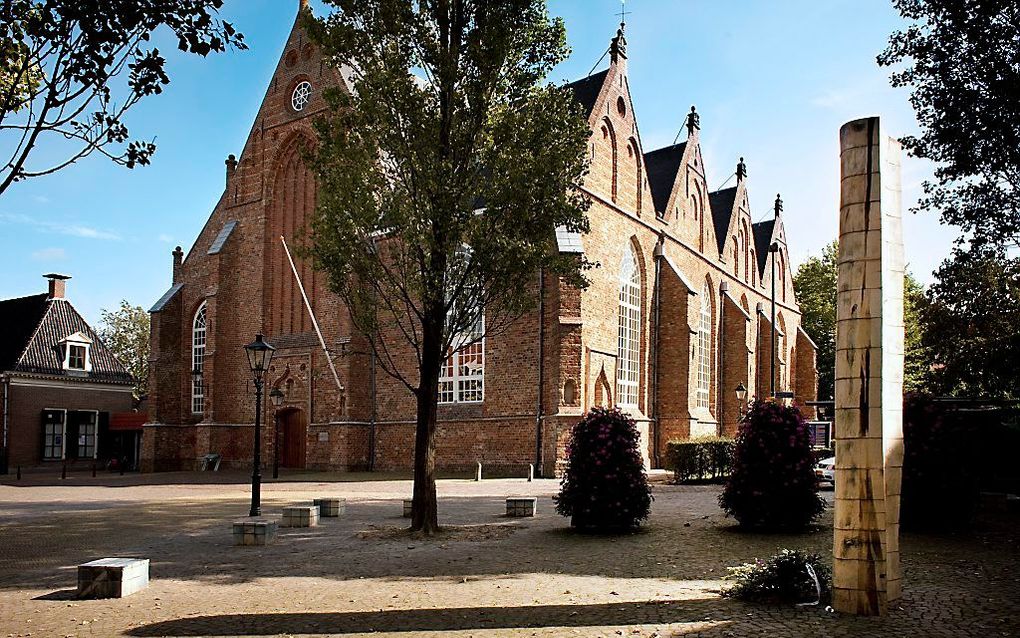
[628,350]
[198,339]
[704,352]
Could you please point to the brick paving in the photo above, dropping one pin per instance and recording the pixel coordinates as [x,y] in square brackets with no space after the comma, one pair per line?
[488,576]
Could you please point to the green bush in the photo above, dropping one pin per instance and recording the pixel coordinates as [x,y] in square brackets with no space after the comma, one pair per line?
[772,485]
[604,486]
[782,578]
[703,459]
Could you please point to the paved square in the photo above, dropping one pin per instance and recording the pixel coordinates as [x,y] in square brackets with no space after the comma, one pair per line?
[489,576]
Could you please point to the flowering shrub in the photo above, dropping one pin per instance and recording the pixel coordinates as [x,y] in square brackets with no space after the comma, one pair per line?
[772,485]
[791,576]
[604,486]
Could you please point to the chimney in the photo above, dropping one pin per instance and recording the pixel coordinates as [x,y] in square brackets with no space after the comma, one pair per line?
[58,285]
[178,258]
[302,4]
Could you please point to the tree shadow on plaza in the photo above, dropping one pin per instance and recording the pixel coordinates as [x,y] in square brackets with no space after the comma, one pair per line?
[450,619]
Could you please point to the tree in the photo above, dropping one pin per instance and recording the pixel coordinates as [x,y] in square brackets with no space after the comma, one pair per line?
[59,60]
[125,332]
[443,176]
[963,66]
[815,286]
[970,324]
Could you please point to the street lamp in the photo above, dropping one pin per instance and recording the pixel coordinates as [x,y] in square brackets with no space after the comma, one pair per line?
[276,396]
[741,395]
[260,354]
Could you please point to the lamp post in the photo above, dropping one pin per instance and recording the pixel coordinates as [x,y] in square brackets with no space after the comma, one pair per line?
[741,395]
[276,396]
[260,354]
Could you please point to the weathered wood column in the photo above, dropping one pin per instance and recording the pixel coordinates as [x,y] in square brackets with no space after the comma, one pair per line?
[869,372]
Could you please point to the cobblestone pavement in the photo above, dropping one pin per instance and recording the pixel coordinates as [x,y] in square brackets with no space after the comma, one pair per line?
[490,576]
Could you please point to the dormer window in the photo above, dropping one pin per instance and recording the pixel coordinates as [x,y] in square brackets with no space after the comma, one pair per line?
[77,350]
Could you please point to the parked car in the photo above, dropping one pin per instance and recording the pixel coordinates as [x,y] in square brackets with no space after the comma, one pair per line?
[825,471]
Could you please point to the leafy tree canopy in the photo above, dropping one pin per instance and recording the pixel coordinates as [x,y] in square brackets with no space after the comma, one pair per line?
[125,331]
[961,59]
[58,63]
[443,175]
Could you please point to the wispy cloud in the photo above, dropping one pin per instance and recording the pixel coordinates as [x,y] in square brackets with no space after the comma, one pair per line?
[166,239]
[59,228]
[41,199]
[50,254]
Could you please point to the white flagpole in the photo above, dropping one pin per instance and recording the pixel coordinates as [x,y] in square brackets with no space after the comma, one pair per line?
[329,359]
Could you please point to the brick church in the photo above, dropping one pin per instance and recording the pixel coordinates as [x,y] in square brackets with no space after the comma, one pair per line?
[678,315]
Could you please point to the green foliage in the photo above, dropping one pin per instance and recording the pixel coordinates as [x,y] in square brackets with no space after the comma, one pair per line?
[125,332]
[959,58]
[970,329]
[704,459]
[604,486]
[772,485]
[58,62]
[782,578]
[443,176]
[815,286]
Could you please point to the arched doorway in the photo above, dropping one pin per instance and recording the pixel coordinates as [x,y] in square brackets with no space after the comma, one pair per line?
[293,438]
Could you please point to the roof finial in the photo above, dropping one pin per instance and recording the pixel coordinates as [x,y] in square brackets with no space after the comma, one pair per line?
[693,121]
[623,14]
[618,49]
[741,170]
[779,205]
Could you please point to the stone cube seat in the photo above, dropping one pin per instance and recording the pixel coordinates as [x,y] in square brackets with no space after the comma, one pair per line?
[407,507]
[521,506]
[254,531]
[300,516]
[112,577]
[331,507]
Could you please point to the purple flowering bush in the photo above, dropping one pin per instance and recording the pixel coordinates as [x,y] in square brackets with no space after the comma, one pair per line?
[604,487]
[772,485]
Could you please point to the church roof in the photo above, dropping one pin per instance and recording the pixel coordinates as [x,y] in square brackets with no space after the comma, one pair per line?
[39,330]
[586,90]
[762,232]
[722,211]
[662,166]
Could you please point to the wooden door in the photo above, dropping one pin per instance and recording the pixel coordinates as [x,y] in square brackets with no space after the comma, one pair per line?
[295,433]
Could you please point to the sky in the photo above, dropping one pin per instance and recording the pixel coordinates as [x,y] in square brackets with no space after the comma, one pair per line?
[773,82]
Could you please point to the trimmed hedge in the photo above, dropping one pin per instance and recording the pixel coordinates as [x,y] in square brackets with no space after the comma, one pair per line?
[708,459]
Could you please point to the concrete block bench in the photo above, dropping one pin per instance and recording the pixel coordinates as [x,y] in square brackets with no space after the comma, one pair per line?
[407,507]
[521,506]
[254,531]
[300,516]
[331,507]
[112,577]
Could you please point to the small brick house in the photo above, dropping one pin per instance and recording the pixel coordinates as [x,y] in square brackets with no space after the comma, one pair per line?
[677,316]
[60,384]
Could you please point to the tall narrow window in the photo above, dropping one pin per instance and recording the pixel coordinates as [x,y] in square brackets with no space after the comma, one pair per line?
[198,338]
[704,357]
[628,359]
[462,378]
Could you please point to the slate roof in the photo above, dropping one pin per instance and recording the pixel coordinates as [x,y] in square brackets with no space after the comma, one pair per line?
[722,211]
[20,318]
[568,241]
[762,232]
[661,166]
[165,299]
[586,90]
[222,237]
[39,325]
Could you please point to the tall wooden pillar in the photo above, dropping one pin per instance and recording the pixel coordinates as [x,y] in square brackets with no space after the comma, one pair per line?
[869,372]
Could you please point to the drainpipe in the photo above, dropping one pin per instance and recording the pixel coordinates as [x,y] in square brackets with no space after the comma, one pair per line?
[654,420]
[4,460]
[719,414]
[539,406]
[371,431]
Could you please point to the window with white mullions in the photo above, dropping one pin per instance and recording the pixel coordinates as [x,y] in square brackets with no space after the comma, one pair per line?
[462,378]
[704,350]
[628,360]
[198,341]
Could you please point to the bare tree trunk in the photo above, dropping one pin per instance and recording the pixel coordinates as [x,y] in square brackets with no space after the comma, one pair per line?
[424,509]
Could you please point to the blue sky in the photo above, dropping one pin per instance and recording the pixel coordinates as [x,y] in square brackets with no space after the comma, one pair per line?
[773,82]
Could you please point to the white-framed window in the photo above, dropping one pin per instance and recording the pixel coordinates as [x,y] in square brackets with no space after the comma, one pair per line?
[704,350]
[628,349]
[76,357]
[462,378]
[53,434]
[301,96]
[198,340]
[76,350]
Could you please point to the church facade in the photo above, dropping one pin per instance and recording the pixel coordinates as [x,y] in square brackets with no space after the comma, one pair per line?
[677,316]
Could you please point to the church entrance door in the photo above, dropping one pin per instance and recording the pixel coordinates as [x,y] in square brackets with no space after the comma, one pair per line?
[294,432]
